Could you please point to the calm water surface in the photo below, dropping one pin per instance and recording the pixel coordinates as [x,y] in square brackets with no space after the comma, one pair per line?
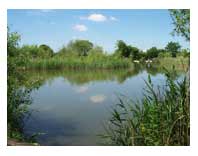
[71,107]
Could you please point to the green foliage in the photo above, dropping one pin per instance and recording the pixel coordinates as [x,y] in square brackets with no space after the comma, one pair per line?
[181,21]
[160,118]
[18,98]
[30,51]
[134,52]
[89,62]
[12,43]
[152,53]
[82,47]
[183,53]
[95,51]
[173,48]
[66,51]
[125,50]
[33,51]
[180,63]
[164,54]
[45,51]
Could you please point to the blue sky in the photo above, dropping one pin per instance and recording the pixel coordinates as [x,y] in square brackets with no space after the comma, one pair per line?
[140,28]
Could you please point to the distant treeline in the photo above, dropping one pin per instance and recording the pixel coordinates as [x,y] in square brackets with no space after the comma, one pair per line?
[83,54]
[86,48]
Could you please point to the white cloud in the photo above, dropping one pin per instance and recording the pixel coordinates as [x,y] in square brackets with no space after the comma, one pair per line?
[97,17]
[80,27]
[97,98]
[113,18]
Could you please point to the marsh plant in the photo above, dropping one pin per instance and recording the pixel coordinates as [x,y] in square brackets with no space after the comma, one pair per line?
[162,117]
[80,62]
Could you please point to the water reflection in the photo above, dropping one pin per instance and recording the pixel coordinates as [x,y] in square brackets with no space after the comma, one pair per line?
[81,89]
[97,98]
[82,77]
[70,106]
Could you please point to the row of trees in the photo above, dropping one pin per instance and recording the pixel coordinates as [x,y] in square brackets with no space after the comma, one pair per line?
[74,48]
[85,48]
[172,49]
[30,51]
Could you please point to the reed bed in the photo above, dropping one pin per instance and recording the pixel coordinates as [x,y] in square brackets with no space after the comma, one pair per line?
[160,118]
[180,63]
[78,63]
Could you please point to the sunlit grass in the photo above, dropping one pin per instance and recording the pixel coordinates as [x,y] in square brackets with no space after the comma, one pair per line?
[180,63]
[79,63]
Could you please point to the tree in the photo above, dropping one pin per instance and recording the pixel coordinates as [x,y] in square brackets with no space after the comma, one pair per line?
[184,53]
[126,50]
[29,51]
[181,21]
[45,51]
[134,52]
[97,50]
[17,97]
[82,47]
[173,48]
[142,55]
[12,42]
[152,53]
[122,48]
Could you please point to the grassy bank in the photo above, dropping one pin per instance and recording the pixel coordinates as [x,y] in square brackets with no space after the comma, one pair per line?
[78,63]
[180,63]
[104,62]
[160,118]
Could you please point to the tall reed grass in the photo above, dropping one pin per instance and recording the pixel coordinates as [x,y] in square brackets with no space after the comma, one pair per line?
[78,63]
[160,118]
[180,63]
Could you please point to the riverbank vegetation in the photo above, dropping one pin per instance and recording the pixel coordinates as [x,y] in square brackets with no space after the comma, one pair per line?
[160,118]
[83,54]
[18,98]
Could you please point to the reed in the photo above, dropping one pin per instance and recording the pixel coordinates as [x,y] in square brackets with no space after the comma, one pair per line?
[78,63]
[162,117]
[180,63]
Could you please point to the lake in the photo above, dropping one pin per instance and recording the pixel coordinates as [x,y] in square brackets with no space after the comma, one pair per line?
[72,107]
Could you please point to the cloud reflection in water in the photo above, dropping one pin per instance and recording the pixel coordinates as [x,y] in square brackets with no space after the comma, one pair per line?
[97,98]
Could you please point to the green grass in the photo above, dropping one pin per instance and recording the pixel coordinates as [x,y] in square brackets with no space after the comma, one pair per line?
[79,63]
[160,118]
[180,63]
